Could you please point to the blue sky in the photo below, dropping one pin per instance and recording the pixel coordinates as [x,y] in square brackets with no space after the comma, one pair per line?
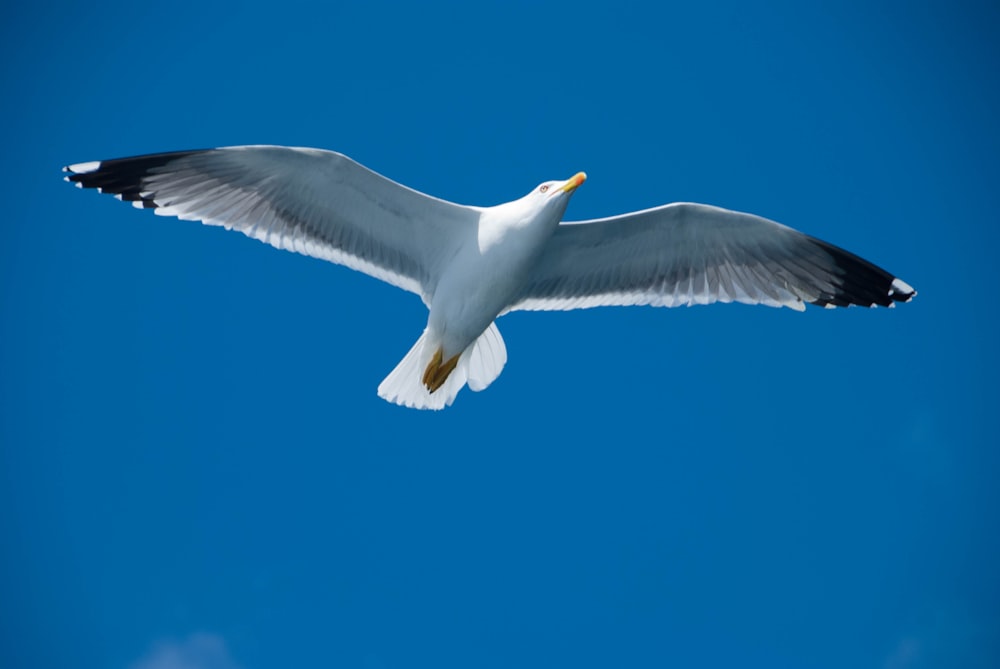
[196,472]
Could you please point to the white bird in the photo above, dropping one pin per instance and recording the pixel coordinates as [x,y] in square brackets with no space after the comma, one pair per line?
[470,265]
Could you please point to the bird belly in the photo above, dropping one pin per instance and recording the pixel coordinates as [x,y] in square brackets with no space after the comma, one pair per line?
[470,295]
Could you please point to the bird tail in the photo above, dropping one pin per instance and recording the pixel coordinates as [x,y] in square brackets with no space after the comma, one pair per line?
[478,366]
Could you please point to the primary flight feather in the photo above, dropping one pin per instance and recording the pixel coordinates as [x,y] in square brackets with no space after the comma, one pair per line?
[472,264]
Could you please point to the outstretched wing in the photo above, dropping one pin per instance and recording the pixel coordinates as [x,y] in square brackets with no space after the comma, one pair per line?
[684,254]
[310,201]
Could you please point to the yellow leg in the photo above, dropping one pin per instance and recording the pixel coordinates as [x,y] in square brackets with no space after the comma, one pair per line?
[436,373]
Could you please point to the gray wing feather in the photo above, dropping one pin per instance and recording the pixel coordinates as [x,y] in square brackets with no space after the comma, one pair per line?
[685,254]
[318,203]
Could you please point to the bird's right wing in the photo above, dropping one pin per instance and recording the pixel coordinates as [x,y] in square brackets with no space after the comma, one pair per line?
[684,254]
[315,202]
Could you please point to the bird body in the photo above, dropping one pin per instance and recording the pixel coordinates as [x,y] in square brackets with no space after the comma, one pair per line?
[479,283]
[484,276]
[471,264]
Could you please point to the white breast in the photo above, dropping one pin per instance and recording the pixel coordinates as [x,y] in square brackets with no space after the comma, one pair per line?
[486,274]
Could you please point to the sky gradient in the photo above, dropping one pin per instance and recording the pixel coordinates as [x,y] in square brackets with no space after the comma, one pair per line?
[196,472]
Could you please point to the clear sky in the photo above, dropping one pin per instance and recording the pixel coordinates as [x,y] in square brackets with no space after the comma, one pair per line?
[196,472]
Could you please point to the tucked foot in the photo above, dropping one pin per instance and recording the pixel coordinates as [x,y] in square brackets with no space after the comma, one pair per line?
[437,373]
[432,367]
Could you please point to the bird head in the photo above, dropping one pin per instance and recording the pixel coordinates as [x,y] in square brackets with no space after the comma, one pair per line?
[557,190]
[555,193]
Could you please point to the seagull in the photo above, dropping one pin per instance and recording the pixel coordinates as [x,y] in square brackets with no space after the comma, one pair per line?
[471,264]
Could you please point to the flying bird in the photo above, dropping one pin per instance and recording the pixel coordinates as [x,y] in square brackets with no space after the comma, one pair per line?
[471,264]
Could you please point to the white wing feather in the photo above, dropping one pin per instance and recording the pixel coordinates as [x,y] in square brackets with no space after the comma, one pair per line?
[686,254]
[318,203]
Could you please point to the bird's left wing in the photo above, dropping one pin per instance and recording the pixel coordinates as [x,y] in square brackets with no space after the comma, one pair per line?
[684,254]
[315,202]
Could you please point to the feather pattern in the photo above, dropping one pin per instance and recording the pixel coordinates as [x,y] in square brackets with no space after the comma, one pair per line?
[318,203]
[686,254]
[470,264]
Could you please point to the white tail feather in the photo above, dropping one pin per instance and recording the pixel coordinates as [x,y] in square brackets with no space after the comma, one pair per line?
[487,357]
[479,365]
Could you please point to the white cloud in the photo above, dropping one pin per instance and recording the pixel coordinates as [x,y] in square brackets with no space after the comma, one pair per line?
[198,651]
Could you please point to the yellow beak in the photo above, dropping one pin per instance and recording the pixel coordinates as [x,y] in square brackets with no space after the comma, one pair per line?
[574,182]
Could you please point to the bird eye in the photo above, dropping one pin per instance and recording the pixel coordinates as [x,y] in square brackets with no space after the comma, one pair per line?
[544,188]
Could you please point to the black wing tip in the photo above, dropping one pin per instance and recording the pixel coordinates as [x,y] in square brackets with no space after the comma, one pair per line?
[77,172]
[900,291]
[859,282]
[123,177]
[865,295]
